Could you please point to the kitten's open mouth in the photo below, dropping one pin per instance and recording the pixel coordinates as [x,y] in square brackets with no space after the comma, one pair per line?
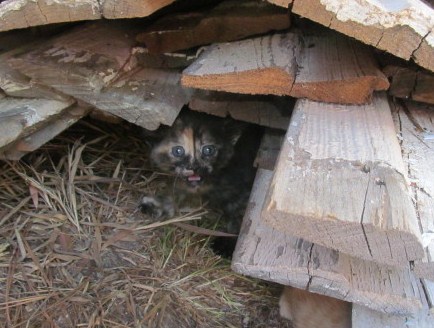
[193,178]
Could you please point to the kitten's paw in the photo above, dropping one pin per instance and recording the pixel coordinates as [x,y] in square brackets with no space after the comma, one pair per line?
[157,207]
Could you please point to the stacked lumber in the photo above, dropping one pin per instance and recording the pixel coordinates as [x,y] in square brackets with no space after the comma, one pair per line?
[15,14]
[410,83]
[405,28]
[323,67]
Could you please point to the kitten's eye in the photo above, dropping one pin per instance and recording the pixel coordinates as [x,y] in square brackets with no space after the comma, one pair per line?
[178,151]
[208,150]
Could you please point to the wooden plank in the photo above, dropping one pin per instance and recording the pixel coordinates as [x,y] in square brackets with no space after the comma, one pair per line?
[366,318]
[15,14]
[44,134]
[281,3]
[270,254]
[340,182]
[167,60]
[269,149]
[404,28]
[264,65]
[228,21]
[330,68]
[105,74]
[21,117]
[269,111]
[410,84]
[414,123]
[334,68]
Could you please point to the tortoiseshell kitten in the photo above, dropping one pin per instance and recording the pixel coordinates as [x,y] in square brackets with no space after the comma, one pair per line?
[208,156]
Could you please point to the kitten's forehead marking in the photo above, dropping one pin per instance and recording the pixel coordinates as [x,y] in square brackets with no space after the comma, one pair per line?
[188,141]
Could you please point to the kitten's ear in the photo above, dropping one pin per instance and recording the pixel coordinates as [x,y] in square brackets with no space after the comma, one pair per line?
[234,129]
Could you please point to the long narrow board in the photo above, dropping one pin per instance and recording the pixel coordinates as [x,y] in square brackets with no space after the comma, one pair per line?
[405,28]
[21,117]
[43,134]
[15,14]
[272,255]
[228,21]
[415,125]
[340,182]
[105,74]
[327,68]
[269,111]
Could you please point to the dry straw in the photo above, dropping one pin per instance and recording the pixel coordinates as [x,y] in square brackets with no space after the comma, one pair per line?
[75,252]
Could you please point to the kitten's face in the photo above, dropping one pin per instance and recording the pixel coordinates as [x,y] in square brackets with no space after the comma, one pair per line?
[194,149]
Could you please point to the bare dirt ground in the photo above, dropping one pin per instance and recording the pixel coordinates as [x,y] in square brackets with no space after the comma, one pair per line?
[75,252]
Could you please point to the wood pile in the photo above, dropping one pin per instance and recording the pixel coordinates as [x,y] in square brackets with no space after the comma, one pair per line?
[343,202]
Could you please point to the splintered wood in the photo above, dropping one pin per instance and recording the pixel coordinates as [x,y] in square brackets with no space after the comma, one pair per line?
[104,73]
[229,21]
[404,28]
[264,65]
[327,68]
[269,111]
[340,182]
[415,125]
[21,117]
[270,254]
[16,14]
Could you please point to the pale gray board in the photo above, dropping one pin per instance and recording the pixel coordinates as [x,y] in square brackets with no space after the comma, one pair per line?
[340,182]
[269,254]
[84,65]
[43,134]
[414,124]
[19,117]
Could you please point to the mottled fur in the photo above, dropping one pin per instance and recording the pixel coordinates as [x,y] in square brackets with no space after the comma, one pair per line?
[309,310]
[216,164]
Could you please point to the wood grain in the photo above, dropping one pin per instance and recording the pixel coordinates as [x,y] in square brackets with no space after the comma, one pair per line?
[228,21]
[404,28]
[415,125]
[340,182]
[272,255]
[264,65]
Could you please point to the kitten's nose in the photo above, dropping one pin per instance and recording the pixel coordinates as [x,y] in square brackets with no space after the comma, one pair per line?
[193,166]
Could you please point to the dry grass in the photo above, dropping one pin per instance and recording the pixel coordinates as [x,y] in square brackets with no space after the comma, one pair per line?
[74,251]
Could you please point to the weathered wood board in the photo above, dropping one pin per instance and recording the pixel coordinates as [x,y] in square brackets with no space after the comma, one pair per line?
[269,149]
[264,65]
[21,117]
[228,21]
[15,14]
[269,111]
[48,131]
[272,255]
[366,318]
[105,74]
[334,68]
[327,68]
[405,28]
[340,182]
[410,84]
[415,126]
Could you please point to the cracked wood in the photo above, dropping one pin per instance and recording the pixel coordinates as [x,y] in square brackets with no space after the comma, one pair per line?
[270,254]
[16,14]
[404,28]
[327,68]
[340,182]
[415,124]
[106,74]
